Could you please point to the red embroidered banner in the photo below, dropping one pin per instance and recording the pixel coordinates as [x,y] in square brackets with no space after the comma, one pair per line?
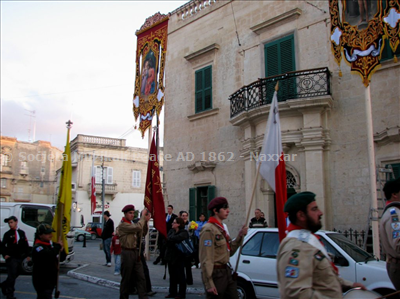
[148,97]
[153,197]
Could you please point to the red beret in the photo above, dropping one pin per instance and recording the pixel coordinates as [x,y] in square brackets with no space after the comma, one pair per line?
[217,202]
[128,208]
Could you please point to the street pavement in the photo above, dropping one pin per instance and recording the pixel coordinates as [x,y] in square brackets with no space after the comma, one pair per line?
[88,266]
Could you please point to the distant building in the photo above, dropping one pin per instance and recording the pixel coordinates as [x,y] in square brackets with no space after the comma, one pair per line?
[28,171]
[125,170]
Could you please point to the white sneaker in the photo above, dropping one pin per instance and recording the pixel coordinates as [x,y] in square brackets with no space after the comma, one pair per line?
[108,264]
[116,273]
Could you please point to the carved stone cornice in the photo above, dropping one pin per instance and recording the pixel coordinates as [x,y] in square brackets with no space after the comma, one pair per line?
[206,50]
[388,135]
[286,16]
[201,166]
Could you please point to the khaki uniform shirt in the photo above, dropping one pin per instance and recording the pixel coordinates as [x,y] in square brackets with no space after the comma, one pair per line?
[214,251]
[131,233]
[389,231]
[304,272]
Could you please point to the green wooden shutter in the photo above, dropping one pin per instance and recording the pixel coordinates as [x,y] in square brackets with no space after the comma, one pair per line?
[192,204]
[207,88]
[199,91]
[396,170]
[203,89]
[280,59]
[211,195]
[271,59]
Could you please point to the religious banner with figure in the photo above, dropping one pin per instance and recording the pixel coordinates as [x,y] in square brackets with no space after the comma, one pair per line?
[361,29]
[148,97]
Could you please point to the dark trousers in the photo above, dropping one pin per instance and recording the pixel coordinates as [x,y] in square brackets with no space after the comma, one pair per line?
[146,272]
[131,270]
[188,270]
[13,266]
[225,285]
[44,293]
[177,277]
[393,271]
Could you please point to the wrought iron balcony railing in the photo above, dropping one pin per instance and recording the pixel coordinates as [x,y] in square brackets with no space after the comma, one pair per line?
[293,85]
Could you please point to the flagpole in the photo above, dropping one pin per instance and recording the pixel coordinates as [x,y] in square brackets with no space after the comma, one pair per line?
[372,174]
[252,197]
[61,215]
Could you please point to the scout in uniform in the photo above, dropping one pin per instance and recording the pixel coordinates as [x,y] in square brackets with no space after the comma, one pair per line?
[216,247]
[389,231]
[304,267]
[130,235]
[14,247]
[45,261]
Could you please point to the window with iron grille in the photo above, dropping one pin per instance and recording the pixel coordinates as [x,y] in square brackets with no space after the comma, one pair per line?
[203,89]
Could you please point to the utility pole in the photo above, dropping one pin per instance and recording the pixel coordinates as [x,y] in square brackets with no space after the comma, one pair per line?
[31,115]
[103,187]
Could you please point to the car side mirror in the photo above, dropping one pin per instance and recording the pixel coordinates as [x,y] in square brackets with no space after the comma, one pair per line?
[341,261]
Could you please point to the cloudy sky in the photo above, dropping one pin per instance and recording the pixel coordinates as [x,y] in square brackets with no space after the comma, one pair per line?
[62,60]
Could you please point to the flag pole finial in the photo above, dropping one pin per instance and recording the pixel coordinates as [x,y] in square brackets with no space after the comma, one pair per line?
[277,86]
[69,124]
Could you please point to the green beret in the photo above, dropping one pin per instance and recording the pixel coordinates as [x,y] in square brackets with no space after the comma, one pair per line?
[299,201]
[392,186]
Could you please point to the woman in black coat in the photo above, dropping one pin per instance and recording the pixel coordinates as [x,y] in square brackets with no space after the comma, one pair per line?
[175,259]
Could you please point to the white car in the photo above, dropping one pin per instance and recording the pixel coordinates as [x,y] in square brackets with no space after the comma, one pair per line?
[257,264]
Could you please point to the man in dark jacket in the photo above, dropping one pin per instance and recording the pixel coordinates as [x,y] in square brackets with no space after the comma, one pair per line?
[45,261]
[258,221]
[106,235]
[162,242]
[15,247]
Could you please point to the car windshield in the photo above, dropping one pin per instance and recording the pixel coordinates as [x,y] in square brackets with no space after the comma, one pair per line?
[356,253]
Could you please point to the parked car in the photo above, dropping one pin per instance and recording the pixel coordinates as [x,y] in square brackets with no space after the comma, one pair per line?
[94,228]
[257,276]
[80,235]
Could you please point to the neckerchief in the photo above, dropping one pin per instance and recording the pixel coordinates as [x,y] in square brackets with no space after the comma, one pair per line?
[125,220]
[218,224]
[292,227]
[16,239]
[37,241]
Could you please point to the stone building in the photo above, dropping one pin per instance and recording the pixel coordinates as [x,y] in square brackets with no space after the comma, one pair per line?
[216,109]
[28,171]
[125,170]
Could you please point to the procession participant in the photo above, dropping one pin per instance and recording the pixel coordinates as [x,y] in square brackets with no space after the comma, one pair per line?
[130,235]
[162,242]
[14,247]
[304,267]
[389,231]
[45,261]
[107,235]
[216,247]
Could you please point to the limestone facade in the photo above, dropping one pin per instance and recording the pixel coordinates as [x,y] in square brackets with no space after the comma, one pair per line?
[325,136]
[28,171]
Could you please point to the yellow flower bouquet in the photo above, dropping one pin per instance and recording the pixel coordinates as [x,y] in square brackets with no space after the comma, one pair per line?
[193,225]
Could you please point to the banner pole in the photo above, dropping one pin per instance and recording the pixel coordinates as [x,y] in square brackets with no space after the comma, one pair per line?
[372,174]
[248,213]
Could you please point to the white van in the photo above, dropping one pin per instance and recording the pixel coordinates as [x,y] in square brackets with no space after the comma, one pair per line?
[29,216]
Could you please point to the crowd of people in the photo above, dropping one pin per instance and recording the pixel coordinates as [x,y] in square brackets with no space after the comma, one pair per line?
[304,268]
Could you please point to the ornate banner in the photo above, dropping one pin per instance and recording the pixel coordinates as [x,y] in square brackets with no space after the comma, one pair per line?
[360,30]
[148,97]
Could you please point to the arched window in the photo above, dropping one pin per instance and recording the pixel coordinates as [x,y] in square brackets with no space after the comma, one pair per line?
[290,180]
